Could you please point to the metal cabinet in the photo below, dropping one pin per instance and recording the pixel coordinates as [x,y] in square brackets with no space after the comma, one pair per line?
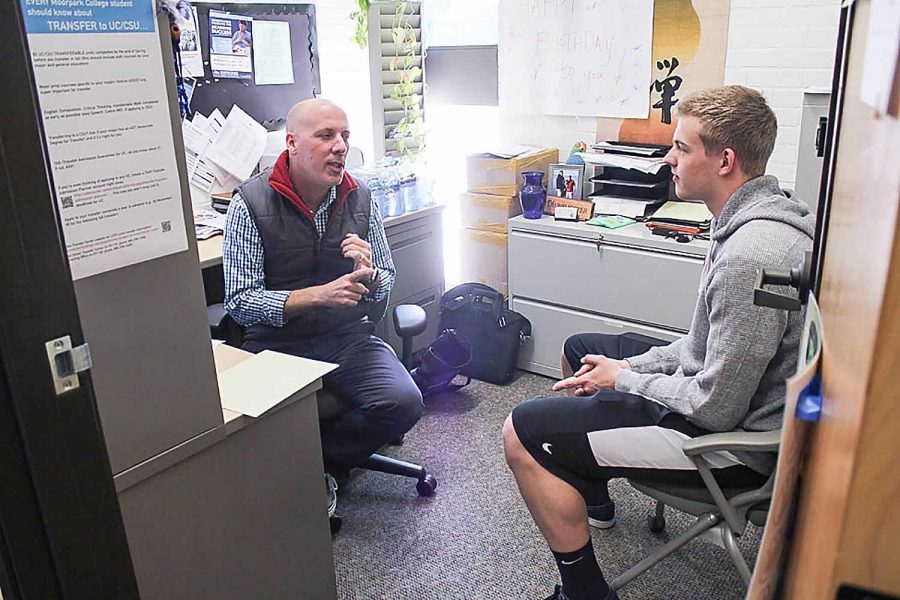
[417,247]
[569,278]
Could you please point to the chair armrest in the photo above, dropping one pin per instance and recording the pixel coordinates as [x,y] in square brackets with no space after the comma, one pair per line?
[216,315]
[409,320]
[746,441]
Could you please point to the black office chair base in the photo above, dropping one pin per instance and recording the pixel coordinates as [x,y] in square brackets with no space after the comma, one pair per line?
[426,483]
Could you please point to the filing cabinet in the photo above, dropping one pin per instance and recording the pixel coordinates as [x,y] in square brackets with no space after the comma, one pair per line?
[569,278]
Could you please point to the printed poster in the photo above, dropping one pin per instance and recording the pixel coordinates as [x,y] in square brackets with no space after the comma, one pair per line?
[189,43]
[101,86]
[230,45]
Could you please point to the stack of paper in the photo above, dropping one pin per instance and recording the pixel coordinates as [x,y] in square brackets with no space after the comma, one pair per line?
[680,212]
[620,205]
[631,149]
[208,223]
[223,150]
[650,165]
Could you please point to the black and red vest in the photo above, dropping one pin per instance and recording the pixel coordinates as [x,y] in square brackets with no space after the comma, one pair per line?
[295,257]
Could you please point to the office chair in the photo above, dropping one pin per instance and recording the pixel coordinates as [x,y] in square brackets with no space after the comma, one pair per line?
[722,514]
[409,321]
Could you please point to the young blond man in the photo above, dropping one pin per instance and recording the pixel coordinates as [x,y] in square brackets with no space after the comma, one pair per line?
[636,400]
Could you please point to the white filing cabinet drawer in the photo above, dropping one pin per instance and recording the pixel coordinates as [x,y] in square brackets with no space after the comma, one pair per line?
[611,279]
[552,325]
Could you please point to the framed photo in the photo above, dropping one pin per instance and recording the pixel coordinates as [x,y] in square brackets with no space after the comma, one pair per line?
[565,181]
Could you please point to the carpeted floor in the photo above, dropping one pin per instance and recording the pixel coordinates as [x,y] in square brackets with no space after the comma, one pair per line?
[474,538]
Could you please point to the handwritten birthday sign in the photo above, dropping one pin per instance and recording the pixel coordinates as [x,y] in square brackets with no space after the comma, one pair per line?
[576,57]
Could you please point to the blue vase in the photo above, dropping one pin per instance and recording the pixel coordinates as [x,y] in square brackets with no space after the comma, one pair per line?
[533,195]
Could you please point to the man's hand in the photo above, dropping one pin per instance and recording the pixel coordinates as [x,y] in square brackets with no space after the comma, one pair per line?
[596,373]
[345,290]
[359,250]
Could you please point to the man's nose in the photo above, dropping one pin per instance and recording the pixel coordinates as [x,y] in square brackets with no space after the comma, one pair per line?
[340,146]
[669,158]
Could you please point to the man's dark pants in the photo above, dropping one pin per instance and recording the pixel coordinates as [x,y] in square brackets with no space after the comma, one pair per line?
[383,401]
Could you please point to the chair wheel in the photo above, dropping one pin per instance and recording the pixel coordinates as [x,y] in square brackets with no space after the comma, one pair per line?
[335,523]
[426,486]
[656,524]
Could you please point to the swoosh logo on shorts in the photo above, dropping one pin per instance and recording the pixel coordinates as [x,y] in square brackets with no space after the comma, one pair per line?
[547,448]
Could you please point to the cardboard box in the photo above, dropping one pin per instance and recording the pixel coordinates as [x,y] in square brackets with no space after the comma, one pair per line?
[484,258]
[488,174]
[484,211]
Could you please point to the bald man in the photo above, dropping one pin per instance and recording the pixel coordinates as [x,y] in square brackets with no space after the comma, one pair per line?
[306,261]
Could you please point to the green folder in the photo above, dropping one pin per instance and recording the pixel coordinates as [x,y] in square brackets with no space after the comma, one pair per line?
[610,221]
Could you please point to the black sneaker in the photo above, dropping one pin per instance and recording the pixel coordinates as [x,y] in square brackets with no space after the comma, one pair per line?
[602,516]
[559,595]
[331,487]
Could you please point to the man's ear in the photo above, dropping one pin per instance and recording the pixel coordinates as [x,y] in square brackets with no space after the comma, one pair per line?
[291,142]
[729,162]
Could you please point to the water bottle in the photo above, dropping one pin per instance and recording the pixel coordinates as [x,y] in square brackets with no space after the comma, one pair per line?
[393,204]
[408,191]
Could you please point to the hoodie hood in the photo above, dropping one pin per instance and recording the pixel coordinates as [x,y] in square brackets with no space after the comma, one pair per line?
[762,199]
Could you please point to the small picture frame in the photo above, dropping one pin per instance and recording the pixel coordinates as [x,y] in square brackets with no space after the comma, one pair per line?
[565,181]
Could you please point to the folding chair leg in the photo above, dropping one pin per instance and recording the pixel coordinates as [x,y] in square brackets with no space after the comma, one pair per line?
[739,562]
[704,522]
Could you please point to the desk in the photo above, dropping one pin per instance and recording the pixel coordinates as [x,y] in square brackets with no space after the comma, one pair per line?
[417,247]
[210,251]
[570,278]
[236,512]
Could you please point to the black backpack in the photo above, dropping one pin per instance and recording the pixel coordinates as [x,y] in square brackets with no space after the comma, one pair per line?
[440,363]
[495,333]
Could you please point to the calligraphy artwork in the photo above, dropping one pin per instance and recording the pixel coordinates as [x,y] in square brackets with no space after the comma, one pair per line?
[667,88]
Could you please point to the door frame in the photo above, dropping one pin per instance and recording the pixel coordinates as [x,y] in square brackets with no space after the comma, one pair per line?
[61,531]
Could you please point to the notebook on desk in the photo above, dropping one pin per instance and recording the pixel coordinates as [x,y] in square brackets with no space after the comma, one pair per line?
[680,212]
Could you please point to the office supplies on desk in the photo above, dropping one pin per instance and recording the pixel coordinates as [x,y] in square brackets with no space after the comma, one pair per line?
[565,213]
[625,207]
[684,213]
[585,208]
[208,223]
[611,221]
[661,228]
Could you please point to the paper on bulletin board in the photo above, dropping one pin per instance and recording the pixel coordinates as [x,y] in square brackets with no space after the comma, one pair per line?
[880,80]
[272,59]
[189,45]
[239,145]
[266,379]
[230,45]
[101,86]
[794,437]
[579,57]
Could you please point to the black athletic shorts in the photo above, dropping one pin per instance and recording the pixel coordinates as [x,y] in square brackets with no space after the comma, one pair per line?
[586,441]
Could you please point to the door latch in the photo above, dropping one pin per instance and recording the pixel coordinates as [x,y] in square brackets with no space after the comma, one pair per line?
[66,363]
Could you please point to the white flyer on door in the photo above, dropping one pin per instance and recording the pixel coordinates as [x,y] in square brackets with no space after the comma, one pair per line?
[101,86]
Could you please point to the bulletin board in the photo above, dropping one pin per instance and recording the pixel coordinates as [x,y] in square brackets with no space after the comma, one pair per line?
[267,104]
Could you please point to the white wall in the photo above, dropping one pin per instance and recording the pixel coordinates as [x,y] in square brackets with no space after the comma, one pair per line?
[779,47]
[344,69]
[782,47]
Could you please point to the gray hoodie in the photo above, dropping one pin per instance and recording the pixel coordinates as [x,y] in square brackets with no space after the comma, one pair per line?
[728,372]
